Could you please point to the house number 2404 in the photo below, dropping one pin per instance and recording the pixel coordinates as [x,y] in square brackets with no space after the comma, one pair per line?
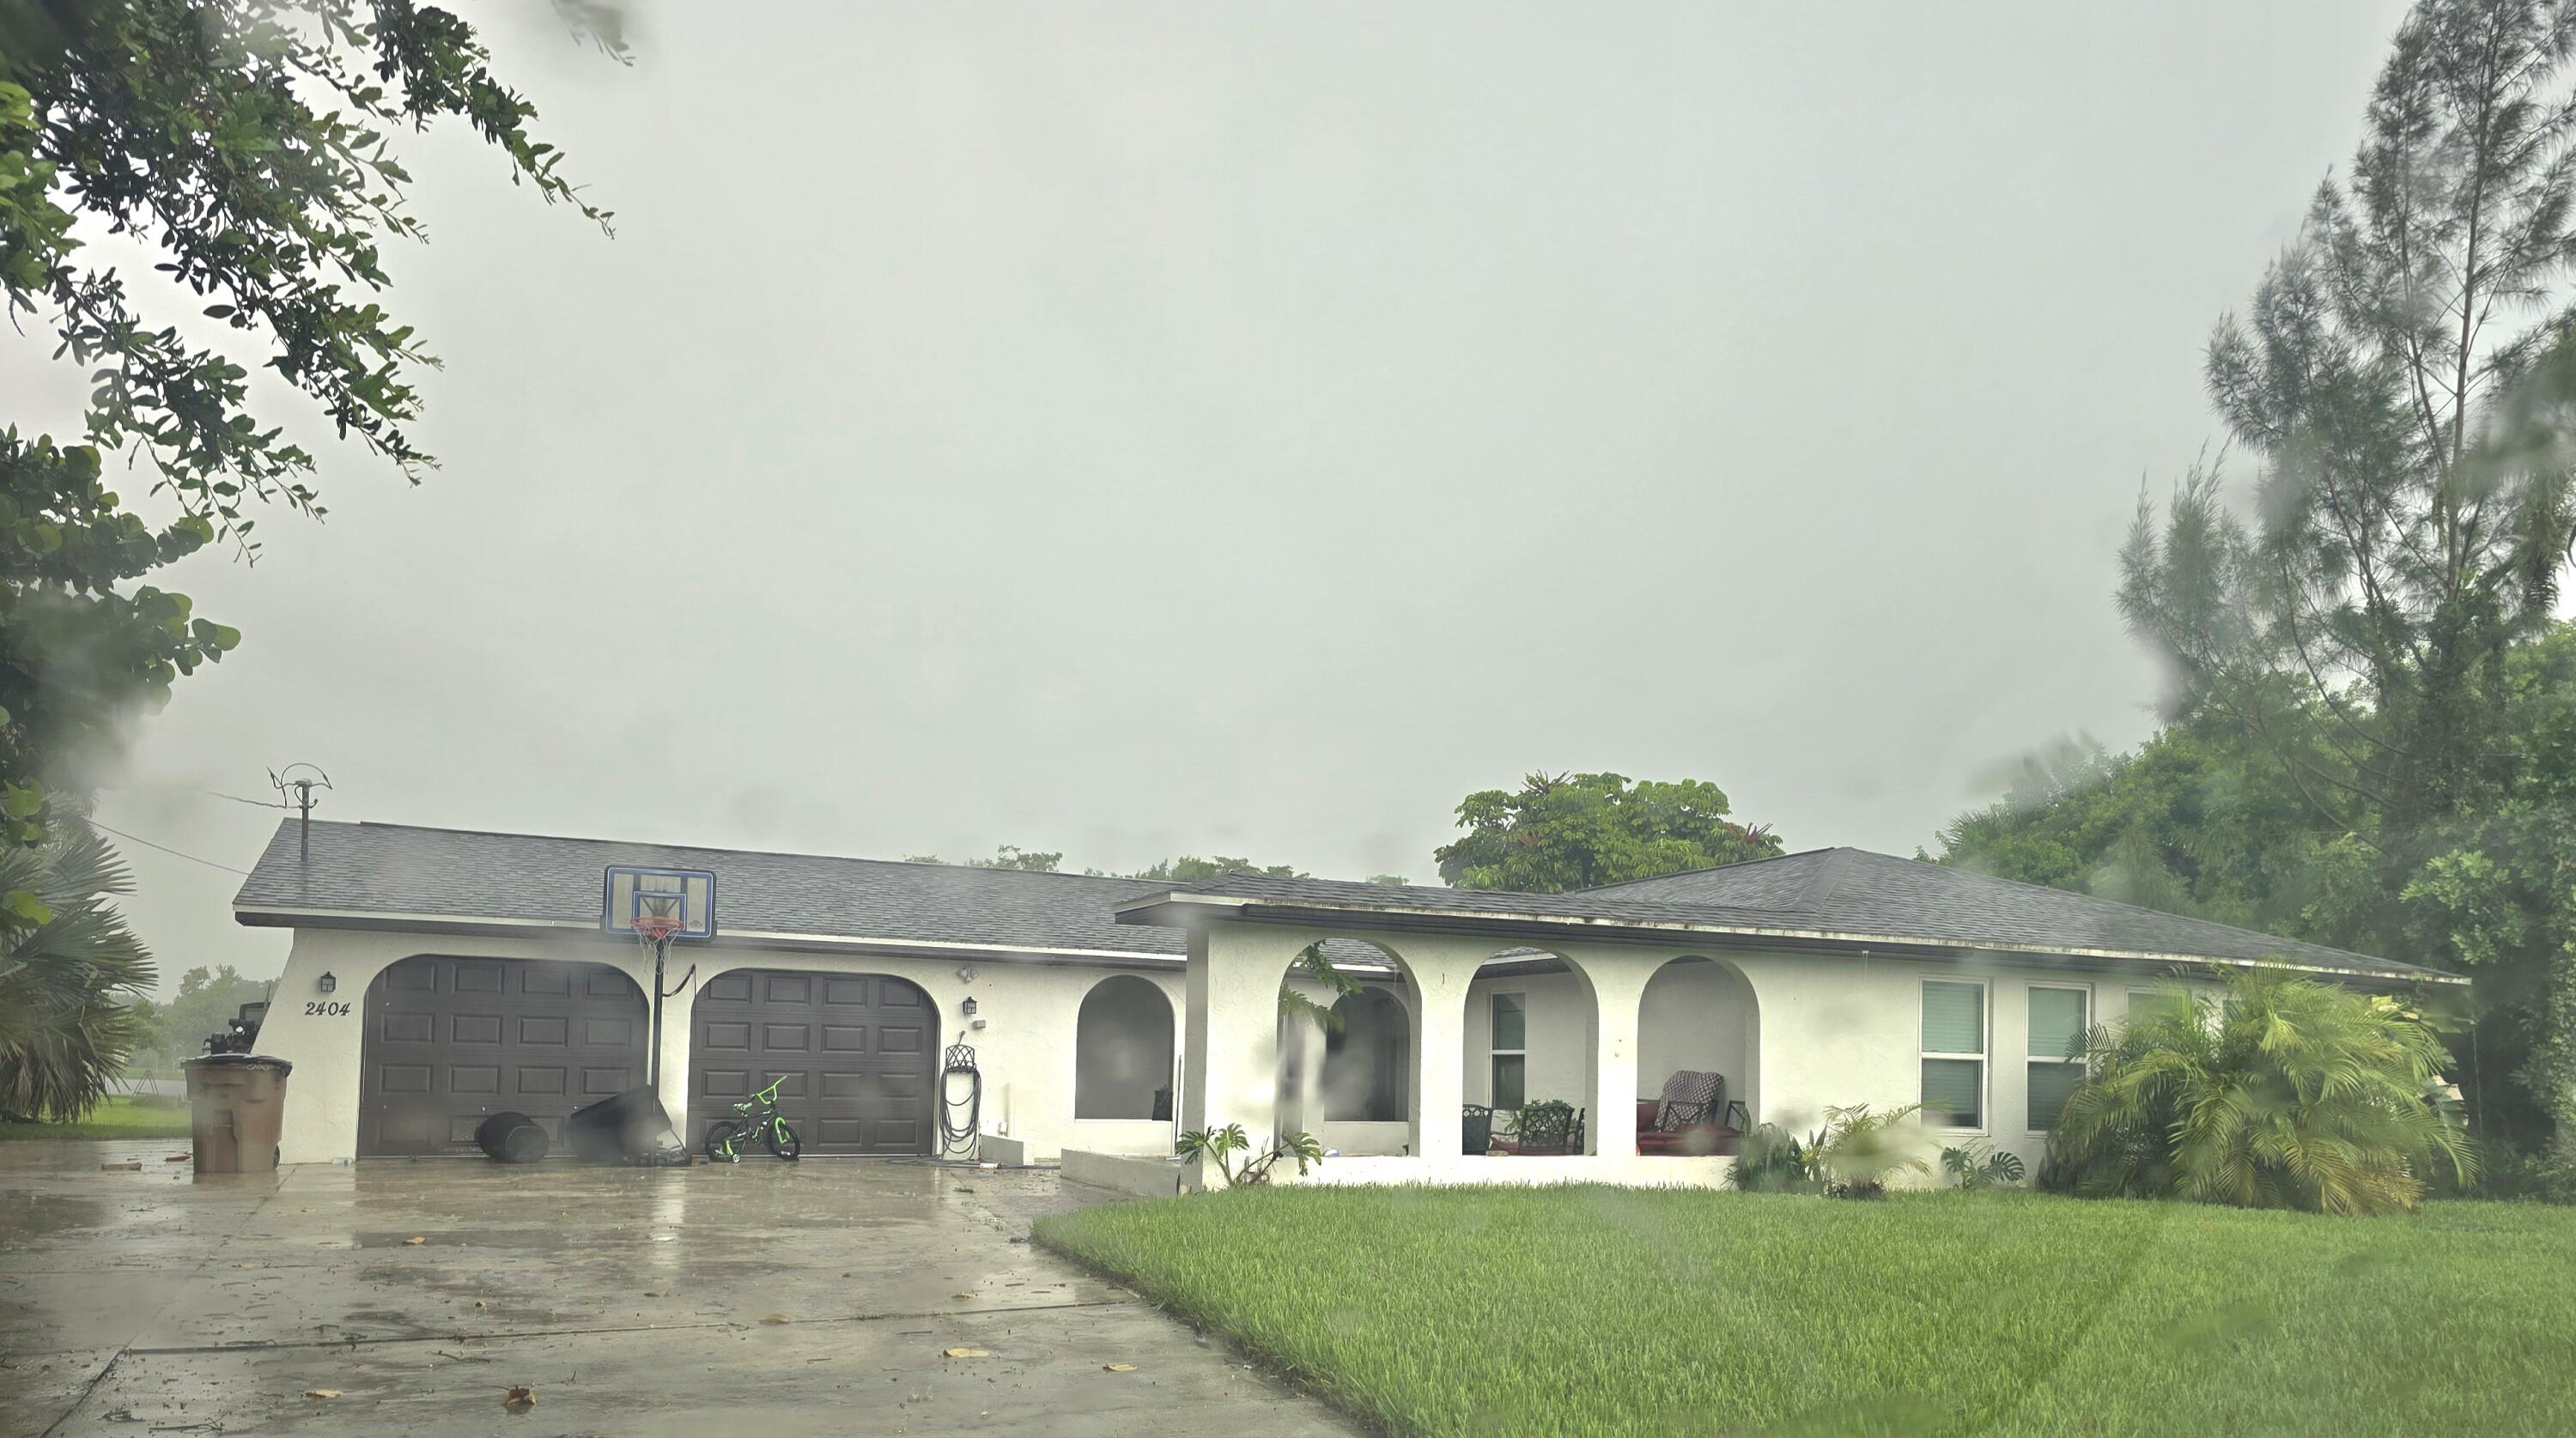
[326,1009]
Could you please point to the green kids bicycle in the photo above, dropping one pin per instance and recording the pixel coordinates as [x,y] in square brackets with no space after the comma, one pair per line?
[758,1116]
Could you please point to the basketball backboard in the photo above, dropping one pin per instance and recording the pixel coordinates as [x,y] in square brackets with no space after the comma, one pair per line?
[688,893]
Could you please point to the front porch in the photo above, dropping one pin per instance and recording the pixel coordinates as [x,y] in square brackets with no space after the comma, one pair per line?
[1449,1025]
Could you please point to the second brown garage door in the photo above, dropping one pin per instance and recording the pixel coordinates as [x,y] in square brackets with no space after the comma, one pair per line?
[856,1051]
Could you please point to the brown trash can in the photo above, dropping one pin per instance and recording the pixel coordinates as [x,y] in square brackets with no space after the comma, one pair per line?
[236,1105]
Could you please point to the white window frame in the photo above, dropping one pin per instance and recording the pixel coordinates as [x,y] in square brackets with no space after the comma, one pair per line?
[2091,1017]
[1985,1061]
[1494,1051]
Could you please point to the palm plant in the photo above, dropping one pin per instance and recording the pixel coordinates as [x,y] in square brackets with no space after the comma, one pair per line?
[63,965]
[1311,962]
[2286,1093]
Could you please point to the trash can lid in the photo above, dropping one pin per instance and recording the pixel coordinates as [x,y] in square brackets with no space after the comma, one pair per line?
[240,1061]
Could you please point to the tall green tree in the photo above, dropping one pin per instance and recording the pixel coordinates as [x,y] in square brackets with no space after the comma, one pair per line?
[205,1001]
[2364,632]
[1573,831]
[2402,382]
[246,147]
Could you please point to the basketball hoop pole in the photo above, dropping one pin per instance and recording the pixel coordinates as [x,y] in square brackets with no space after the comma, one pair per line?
[653,1068]
[657,929]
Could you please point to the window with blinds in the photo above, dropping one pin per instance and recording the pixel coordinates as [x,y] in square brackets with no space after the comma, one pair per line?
[2059,1017]
[1954,1053]
[1510,1050]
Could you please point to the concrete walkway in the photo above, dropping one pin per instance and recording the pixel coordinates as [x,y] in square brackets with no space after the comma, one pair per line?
[766,1299]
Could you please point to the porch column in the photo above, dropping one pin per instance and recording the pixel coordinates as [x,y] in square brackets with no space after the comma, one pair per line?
[1440,970]
[1618,986]
[1230,1030]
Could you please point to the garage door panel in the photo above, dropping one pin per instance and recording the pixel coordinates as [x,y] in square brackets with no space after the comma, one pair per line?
[852,1052]
[452,1041]
[848,990]
[897,1039]
[785,1038]
[404,978]
[729,988]
[788,989]
[539,983]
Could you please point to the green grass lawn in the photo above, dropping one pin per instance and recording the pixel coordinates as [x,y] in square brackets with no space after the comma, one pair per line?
[1583,1310]
[118,1117]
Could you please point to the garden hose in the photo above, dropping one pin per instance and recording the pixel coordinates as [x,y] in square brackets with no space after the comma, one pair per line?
[957,1138]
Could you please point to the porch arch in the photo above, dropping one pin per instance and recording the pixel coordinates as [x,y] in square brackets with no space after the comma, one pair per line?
[1123,1050]
[1549,1002]
[1699,1013]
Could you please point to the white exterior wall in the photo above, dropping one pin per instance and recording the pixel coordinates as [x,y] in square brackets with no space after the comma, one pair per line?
[1801,1032]
[1827,1030]
[1025,1050]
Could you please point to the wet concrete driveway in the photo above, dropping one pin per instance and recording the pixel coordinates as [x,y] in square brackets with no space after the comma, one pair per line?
[767,1299]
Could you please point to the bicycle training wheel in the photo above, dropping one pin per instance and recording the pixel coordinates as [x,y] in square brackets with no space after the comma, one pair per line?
[723,1142]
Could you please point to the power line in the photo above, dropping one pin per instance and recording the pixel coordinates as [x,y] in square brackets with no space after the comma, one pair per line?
[166,849]
[254,803]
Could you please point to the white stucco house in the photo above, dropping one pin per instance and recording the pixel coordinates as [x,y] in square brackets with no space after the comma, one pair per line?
[437,976]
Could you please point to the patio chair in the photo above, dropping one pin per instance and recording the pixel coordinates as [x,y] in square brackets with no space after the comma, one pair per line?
[1477,1135]
[1694,1116]
[1550,1128]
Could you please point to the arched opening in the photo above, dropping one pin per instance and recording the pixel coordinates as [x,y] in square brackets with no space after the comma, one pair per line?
[1698,1058]
[1368,1059]
[1122,1051]
[1530,1058]
[1346,1048]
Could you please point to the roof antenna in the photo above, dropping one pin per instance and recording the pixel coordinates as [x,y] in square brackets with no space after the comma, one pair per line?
[283,780]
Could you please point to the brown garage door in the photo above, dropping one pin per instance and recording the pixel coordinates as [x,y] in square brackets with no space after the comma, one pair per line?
[450,1041]
[856,1051]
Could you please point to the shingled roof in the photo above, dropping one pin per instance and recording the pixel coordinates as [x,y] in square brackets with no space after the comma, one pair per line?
[457,877]
[401,876]
[1837,897]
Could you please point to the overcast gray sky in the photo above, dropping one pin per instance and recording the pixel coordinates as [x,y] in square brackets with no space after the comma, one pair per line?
[1250,429]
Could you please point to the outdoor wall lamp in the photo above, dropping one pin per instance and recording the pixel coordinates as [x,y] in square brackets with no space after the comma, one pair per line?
[970,1008]
[328,983]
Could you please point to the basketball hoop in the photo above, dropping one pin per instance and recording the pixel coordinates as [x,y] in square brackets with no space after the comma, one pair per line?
[656,929]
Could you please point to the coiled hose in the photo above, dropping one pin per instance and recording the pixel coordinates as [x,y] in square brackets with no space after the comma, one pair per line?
[956,1136]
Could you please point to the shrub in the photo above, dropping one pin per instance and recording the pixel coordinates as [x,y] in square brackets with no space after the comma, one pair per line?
[1218,1146]
[2524,1177]
[1770,1160]
[1850,1157]
[1856,1150]
[2290,1093]
[1978,1164]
